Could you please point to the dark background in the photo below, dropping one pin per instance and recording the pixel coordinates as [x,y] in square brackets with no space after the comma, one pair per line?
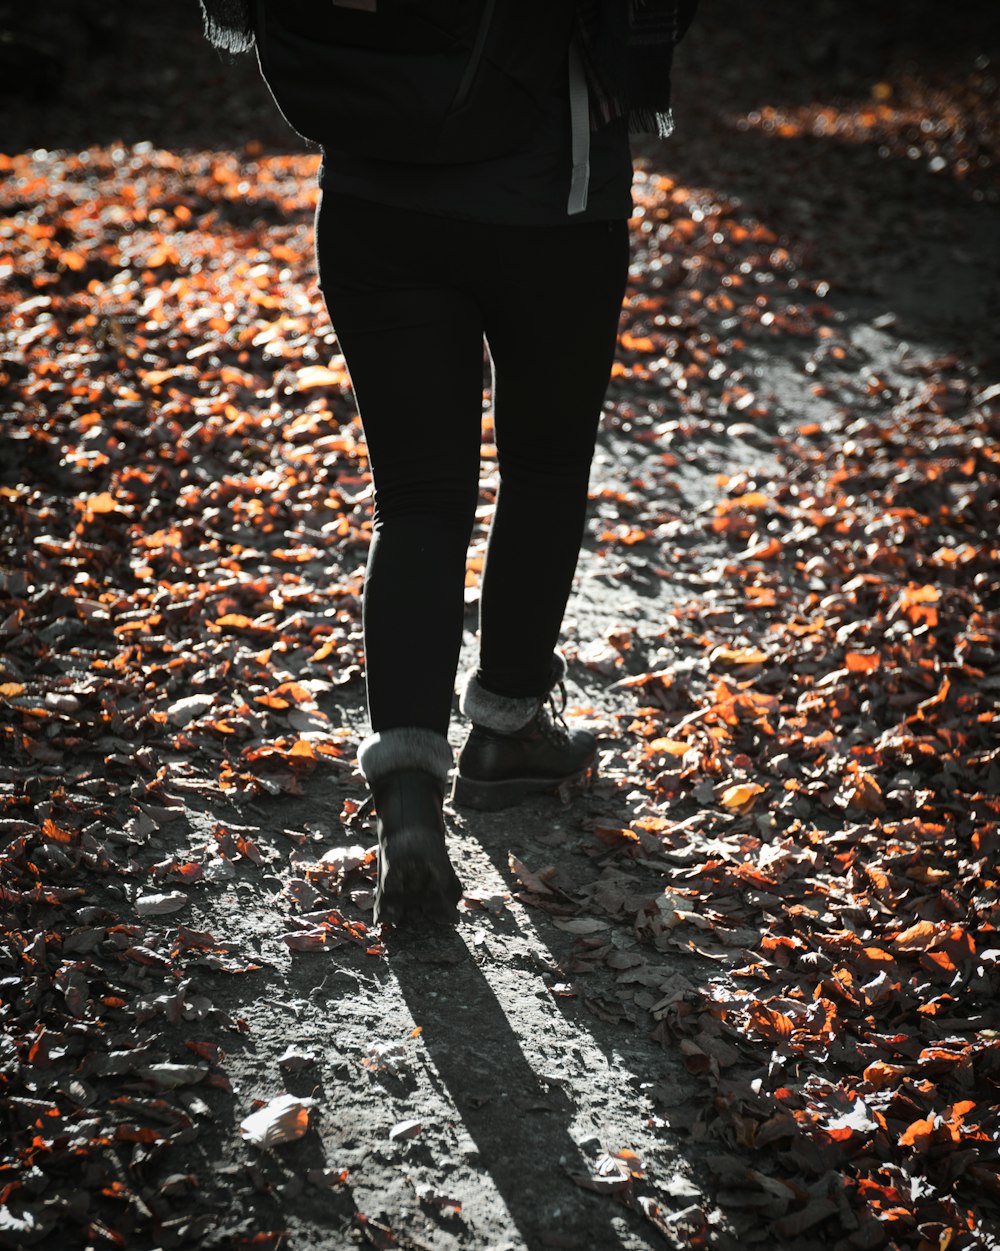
[81,72]
[901,216]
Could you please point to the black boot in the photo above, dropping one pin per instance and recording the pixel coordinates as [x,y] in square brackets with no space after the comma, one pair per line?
[407,771]
[519,747]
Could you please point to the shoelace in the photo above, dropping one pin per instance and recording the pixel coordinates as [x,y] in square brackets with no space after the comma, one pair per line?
[550,719]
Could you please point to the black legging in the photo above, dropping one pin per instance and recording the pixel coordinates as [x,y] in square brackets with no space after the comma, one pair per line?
[410,296]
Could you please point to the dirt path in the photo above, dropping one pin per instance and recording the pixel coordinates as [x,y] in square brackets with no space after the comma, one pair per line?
[188,909]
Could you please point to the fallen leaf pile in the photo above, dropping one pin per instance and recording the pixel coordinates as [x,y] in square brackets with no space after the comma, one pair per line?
[950,126]
[210,528]
[184,534]
[819,752]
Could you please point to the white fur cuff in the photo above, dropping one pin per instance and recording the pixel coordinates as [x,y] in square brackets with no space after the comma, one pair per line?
[505,713]
[408,747]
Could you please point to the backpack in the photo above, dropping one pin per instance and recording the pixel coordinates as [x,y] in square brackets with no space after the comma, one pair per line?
[430,81]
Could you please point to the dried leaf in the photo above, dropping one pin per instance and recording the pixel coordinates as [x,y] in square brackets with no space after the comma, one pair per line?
[282,1119]
[154,905]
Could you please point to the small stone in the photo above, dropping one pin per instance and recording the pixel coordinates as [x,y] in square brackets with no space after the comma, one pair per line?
[405,1129]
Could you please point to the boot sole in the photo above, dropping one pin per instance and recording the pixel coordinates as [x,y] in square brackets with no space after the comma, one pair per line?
[494,796]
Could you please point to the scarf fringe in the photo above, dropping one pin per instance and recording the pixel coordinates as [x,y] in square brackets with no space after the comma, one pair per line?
[228,25]
[627,55]
[645,121]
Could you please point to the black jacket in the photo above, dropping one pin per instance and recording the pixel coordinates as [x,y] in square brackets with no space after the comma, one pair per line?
[576,164]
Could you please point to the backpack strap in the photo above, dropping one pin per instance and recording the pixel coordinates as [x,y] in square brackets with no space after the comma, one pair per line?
[579,113]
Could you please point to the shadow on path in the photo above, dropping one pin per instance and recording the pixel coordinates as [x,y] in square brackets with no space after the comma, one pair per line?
[519,1124]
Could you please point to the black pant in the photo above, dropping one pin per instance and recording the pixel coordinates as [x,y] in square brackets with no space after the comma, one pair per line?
[410,296]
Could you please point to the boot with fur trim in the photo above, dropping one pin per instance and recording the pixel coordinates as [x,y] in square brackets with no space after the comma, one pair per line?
[518,747]
[407,772]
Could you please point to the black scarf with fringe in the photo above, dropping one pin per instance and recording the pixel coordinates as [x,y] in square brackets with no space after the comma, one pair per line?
[626,45]
[627,48]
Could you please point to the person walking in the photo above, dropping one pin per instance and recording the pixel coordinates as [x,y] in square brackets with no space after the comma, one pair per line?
[502,217]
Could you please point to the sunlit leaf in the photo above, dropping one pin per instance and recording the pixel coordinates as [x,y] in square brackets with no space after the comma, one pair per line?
[281,1119]
[741,796]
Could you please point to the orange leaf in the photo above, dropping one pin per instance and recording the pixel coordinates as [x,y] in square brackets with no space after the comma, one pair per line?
[53,834]
[763,551]
[741,796]
[294,691]
[102,503]
[631,1161]
[918,1134]
[918,937]
[329,749]
[749,500]
[672,746]
[636,343]
[739,655]
[881,1074]
[325,649]
[917,602]
[612,834]
[920,595]
[770,1022]
[295,555]
[956,1115]
[154,377]
[161,256]
[862,662]
[924,873]
[867,794]
[939,698]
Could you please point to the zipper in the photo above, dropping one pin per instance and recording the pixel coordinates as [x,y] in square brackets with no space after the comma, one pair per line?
[465,86]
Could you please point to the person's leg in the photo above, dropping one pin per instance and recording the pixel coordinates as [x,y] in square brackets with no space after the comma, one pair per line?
[413,344]
[414,351]
[552,300]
